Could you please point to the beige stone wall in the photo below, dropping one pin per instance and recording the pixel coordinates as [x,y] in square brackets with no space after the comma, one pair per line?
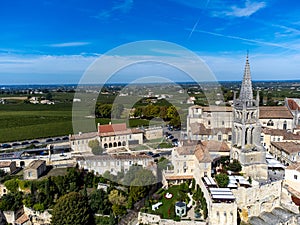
[292,179]
[257,199]
[183,164]
[223,214]
[256,171]
[153,133]
[82,145]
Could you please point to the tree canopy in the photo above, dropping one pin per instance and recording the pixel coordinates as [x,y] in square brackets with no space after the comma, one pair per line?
[72,209]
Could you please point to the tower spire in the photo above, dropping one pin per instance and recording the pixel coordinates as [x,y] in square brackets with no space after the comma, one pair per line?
[246,93]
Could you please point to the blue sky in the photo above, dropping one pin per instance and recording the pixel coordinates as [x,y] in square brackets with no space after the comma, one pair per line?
[54,41]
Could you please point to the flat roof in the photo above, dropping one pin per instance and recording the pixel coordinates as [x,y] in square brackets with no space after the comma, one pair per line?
[230,197]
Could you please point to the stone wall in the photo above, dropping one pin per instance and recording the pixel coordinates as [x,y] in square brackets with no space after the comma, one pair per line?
[258,198]
[145,218]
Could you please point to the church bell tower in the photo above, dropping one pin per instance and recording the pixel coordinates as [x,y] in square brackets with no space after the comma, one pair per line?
[246,131]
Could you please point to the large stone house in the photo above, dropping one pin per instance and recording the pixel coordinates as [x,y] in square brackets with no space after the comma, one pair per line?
[109,136]
[276,117]
[189,160]
[118,135]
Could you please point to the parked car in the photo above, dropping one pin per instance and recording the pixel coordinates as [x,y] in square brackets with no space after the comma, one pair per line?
[49,140]
[16,144]
[34,142]
[65,138]
[6,146]
[25,143]
[170,136]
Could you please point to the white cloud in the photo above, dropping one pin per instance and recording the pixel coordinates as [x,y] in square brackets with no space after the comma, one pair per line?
[69,44]
[246,11]
[249,9]
[124,7]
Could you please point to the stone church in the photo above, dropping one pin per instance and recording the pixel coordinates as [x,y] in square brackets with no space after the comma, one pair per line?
[246,131]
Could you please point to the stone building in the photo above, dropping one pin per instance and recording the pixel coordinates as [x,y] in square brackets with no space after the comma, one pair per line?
[109,136]
[118,135]
[189,160]
[276,117]
[153,133]
[35,169]
[246,131]
[113,163]
[8,166]
[276,135]
[286,152]
[80,142]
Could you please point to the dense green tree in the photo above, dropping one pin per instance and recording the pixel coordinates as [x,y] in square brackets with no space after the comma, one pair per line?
[222,180]
[95,146]
[12,185]
[11,201]
[235,166]
[72,209]
[99,202]
[117,198]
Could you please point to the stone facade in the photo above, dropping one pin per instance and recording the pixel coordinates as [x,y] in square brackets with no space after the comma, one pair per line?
[190,160]
[153,133]
[286,152]
[276,117]
[109,136]
[80,142]
[113,163]
[35,170]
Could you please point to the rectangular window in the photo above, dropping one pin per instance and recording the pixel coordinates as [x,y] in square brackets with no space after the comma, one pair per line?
[219,137]
[295,177]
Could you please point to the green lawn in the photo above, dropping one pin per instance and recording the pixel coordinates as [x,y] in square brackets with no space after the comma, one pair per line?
[167,209]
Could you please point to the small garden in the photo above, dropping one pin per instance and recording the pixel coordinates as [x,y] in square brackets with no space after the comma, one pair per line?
[165,199]
[168,198]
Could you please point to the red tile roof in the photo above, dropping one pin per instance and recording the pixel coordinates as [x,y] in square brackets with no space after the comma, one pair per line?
[293,105]
[112,128]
